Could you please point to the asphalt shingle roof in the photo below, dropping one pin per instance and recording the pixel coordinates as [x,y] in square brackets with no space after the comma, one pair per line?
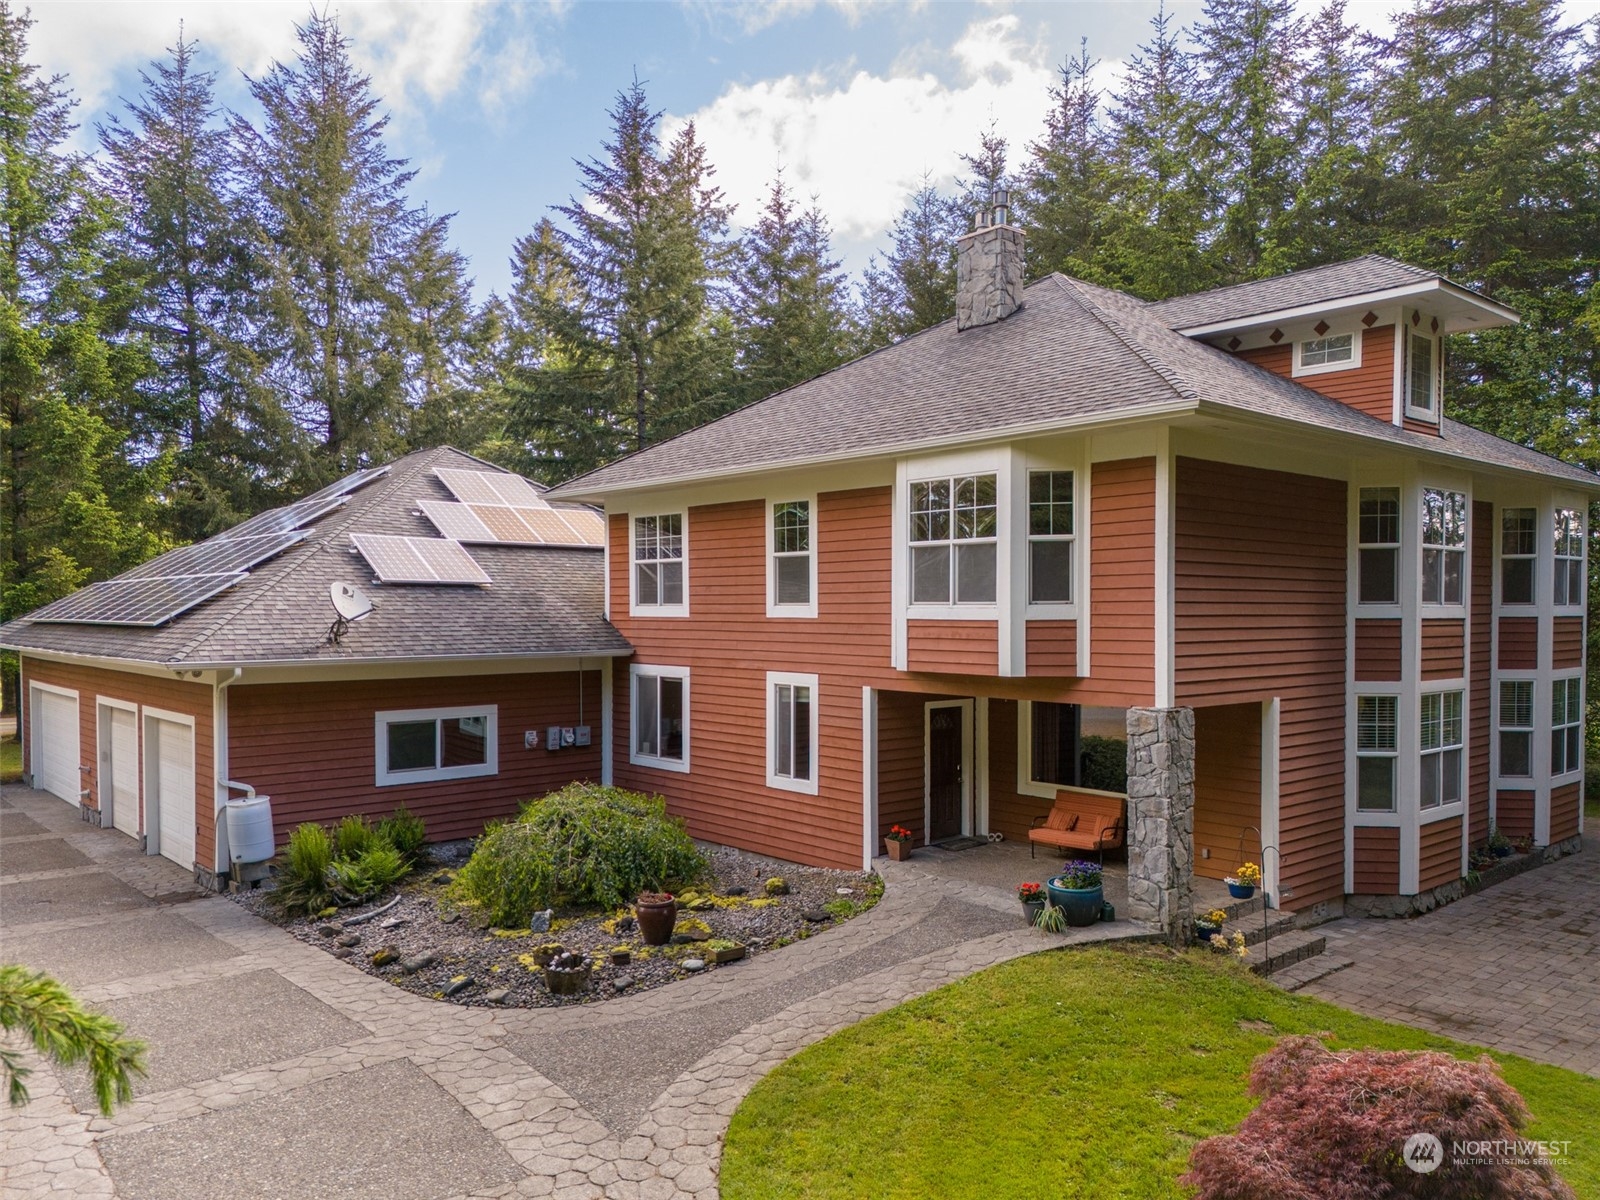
[1073,353]
[1315,285]
[543,601]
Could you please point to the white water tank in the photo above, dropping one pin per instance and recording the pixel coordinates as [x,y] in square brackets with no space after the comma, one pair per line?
[249,824]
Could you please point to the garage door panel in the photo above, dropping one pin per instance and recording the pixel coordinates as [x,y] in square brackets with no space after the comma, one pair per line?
[120,771]
[54,726]
[169,747]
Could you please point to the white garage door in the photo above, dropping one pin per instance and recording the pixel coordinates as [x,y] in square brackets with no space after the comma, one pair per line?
[169,755]
[55,743]
[119,767]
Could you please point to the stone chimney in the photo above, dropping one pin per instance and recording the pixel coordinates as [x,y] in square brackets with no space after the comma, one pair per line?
[989,267]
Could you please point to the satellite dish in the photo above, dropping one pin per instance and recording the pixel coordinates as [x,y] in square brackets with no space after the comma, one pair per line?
[350,602]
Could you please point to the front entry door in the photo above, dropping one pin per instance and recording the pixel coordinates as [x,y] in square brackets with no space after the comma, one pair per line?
[947,771]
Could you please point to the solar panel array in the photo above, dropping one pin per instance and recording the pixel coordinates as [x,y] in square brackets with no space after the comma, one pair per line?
[418,560]
[145,602]
[216,556]
[303,512]
[497,507]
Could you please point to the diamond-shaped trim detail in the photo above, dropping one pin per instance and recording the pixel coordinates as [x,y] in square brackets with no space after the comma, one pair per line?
[1321,327]
[1370,319]
[1275,336]
[1416,318]
[1435,325]
[1234,343]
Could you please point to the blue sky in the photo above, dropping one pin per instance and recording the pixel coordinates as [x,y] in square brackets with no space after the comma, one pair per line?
[493,101]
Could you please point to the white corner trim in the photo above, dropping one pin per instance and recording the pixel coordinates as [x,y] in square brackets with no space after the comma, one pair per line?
[384,777]
[635,670]
[869,776]
[1166,491]
[774,779]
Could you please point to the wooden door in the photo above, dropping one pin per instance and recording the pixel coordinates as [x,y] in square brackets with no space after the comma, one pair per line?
[946,770]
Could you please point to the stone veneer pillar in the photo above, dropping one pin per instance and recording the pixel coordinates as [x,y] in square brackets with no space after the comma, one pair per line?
[1161,819]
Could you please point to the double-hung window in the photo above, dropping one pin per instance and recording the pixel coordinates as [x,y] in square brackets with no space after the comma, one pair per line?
[1053,757]
[1441,748]
[658,561]
[1380,545]
[1566,726]
[1519,550]
[1050,537]
[1516,728]
[1444,545]
[792,732]
[1569,557]
[1421,373]
[422,745]
[793,560]
[1376,749]
[660,717]
[954,525]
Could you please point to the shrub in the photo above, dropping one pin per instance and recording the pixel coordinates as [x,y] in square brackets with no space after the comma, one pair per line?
[1105,764]
[353,837]
[585,846]
[356,879]
[1333,1127]
[406,833]
[303,873]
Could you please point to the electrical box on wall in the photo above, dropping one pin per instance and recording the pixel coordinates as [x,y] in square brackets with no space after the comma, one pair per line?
[582,738]
[552,738]
[530,740]
[569,736]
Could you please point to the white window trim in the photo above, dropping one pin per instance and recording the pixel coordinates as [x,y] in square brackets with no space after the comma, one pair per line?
[650,760]
[635,609]
[383,777]
[1501,558]
[1454,807]
[1382,607]
[1431,415]
[1562,608]
[1393,811]
[956,610]
[1299,369]
[774,609]
[1053,610]
[786,783]
[1026,786]
[1529,780]
[1441,608]
[1576,769]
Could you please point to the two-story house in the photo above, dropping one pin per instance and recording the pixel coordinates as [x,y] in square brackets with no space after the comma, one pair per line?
[915,589]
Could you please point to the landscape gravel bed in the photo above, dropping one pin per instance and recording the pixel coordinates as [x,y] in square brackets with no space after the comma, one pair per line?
[419,940]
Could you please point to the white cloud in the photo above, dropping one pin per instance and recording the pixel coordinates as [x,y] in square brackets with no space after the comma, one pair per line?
[861,142]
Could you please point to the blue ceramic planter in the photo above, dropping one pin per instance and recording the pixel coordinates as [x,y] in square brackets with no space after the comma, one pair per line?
[1081,905]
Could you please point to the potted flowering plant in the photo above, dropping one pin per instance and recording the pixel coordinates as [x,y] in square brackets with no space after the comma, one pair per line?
[1243,882]
[1078,892]
[1032,897]
[1209,925]
[897,843]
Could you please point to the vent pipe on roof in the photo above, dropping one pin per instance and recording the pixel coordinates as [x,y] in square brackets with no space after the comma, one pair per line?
[989,267]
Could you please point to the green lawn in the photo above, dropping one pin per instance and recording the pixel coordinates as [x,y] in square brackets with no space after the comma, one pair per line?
[10,760]
[1070,1073]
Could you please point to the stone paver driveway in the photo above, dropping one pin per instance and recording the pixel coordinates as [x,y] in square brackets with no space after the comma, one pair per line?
[277,1071]
[1516,967]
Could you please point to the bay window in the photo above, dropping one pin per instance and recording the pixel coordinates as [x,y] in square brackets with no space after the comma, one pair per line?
[1050,537]
[1566,726]
[1441,741]
[1569,557]
[1376,752]
[954,526]
[1379,542]
[1519,551]
[1444,545]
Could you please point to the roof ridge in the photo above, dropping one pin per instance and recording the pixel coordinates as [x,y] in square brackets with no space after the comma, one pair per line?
[1160,366]
[1247,283]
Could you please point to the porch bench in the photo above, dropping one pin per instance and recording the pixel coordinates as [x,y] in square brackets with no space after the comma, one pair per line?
[1081,821]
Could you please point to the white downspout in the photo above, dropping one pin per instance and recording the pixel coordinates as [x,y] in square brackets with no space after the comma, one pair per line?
[219,761]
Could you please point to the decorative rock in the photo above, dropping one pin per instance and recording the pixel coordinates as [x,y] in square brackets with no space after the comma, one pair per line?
[416,963]
[386,955]
[449,918]
[393,922]
[704,904]
[625,924]
[844,891]
[459,984]
[694,964]
[444,877]
[622,983]
[817,915]
[737,891]
[540,921]
[690,936]
[348,939]
[497,996]
[331,929]
[777,886]
[342,952]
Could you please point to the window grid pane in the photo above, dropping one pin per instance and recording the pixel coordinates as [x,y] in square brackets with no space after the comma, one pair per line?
[1420,379]
[658,560]
[1321,351]
[1442,737]
[1376,722]
[413,745]
[954,524]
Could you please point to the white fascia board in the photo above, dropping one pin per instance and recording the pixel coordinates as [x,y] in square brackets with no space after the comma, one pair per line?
[1499,312]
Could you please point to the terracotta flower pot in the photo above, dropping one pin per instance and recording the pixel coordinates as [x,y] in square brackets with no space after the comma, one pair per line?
[656,919]
[896,849]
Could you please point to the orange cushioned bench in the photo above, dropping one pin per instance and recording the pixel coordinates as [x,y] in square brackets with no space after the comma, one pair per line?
[1081,821]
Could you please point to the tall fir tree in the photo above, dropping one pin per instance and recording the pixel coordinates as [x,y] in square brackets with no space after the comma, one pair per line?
[790,297]
[1067,181]
[633,345]
[914,285]
[169,162]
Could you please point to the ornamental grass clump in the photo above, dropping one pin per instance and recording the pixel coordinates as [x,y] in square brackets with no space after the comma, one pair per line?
[1336,1126]
[586,846]
[354,862]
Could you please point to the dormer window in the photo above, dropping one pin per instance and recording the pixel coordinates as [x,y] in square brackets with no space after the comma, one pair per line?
[1422,376]
[1330,352]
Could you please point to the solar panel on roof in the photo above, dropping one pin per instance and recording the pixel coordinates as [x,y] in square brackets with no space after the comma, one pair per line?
[504,524]
[218,556]
[457,521]
[418,560]
[517,492]
[147,602]
[589,525]
[549,526]
[343,487]
[281,520]
[470,487]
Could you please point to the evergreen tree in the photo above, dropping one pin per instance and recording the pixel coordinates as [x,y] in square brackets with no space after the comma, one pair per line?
[75,504]
[1068,178]
[185,250]
[790,303]
[631,346]
[988,173]
[336,239]
[914,285]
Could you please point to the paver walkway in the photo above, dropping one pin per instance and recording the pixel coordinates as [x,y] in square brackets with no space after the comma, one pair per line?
[276,1070]
[1515,967]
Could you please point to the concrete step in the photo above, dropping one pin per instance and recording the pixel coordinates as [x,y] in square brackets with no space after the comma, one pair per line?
[1309,970]
[1285,950]
[1243,908]
[1256,930]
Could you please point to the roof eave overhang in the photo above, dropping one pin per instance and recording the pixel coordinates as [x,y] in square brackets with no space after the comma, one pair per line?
[111,662]
[1180,406]
[1494,315]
